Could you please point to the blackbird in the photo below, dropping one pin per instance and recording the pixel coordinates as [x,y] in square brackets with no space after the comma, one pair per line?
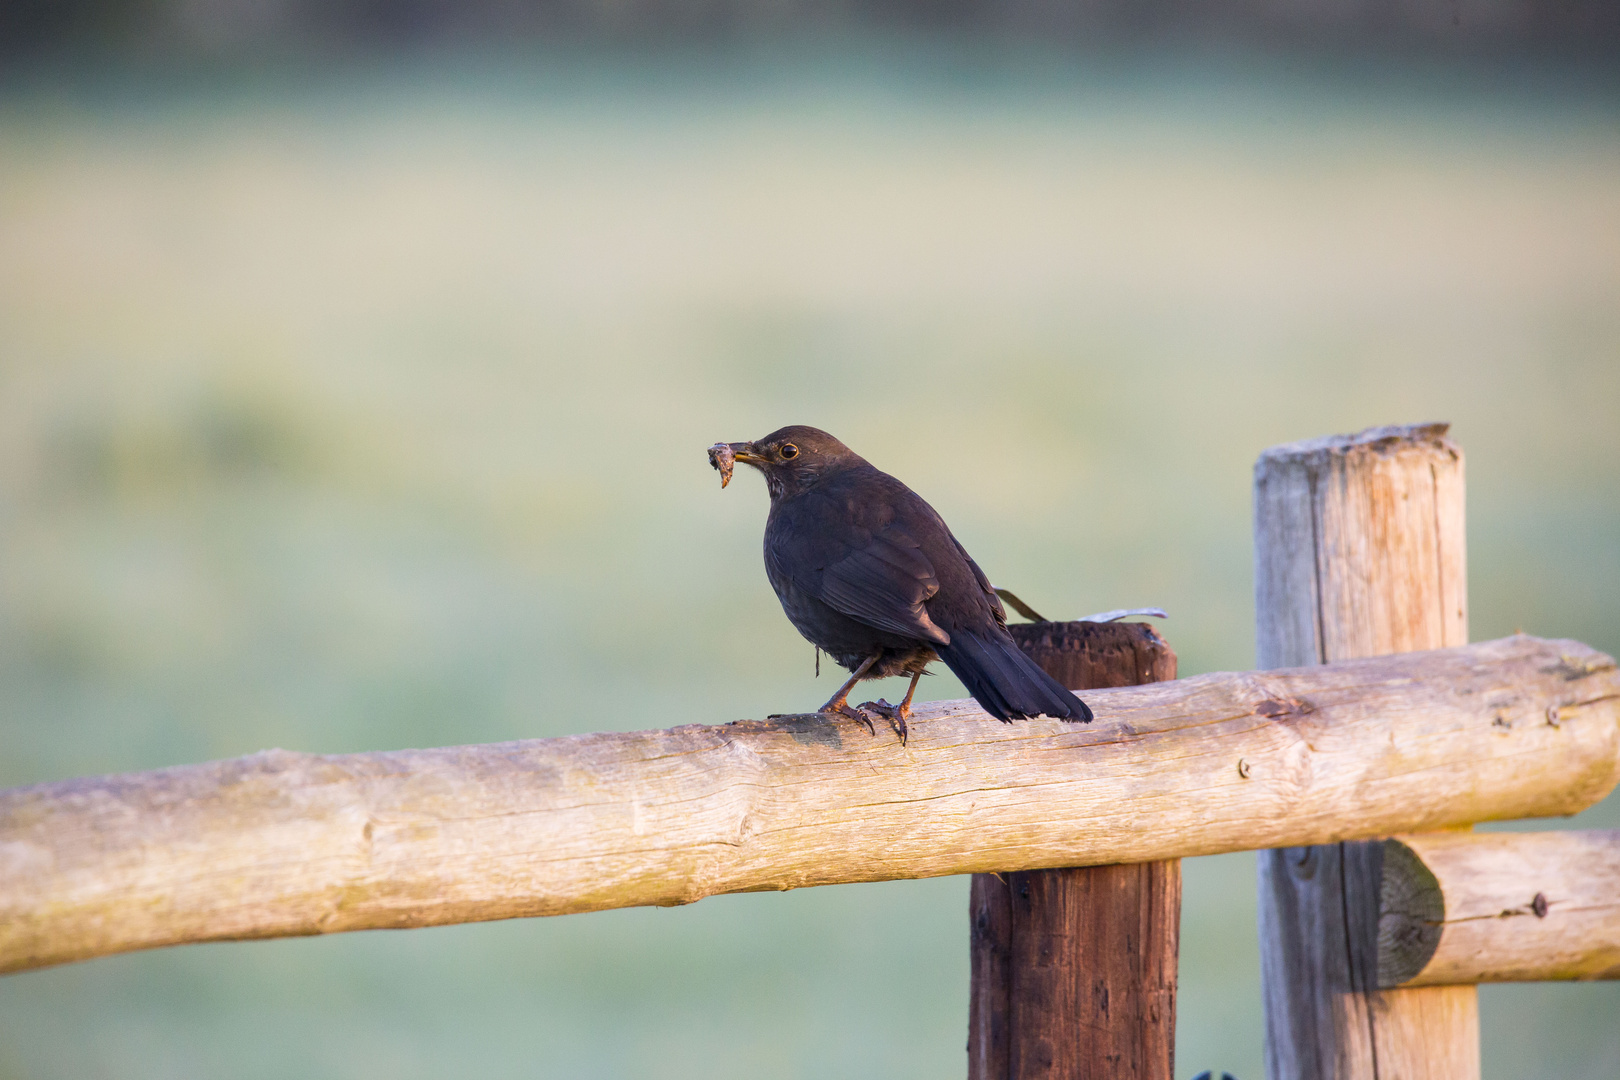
[871,575]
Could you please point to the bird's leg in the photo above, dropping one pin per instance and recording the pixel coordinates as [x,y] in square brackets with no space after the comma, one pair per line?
[839,702]
[897,714]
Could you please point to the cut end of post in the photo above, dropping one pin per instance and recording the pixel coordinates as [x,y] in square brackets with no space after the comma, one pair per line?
[1381,439]
[1411,918]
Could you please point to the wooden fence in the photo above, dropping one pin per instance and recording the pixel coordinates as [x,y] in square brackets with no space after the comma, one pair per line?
[1319,761]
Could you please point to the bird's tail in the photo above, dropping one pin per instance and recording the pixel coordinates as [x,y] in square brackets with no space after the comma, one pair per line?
[1008,684]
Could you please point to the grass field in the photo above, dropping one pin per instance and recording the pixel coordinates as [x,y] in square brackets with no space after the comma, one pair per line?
[367,409]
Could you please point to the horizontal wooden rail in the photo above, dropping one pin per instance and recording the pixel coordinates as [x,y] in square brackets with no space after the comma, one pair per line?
[281,843]
[1499,907]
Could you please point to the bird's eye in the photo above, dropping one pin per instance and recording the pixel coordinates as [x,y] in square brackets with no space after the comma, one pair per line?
[789,451]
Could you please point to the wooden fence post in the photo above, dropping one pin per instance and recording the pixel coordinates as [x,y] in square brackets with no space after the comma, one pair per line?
[1359,551]
[1074,971]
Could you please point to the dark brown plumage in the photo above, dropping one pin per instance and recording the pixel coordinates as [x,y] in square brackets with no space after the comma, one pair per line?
[871,575]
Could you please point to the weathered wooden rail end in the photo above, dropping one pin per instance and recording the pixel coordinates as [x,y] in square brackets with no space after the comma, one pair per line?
[1462,908]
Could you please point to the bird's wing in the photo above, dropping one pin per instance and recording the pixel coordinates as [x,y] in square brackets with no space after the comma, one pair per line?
[884,583]
[853,555]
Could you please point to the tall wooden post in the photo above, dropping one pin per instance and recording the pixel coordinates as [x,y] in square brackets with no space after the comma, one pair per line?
[1074,971]
[1359,551]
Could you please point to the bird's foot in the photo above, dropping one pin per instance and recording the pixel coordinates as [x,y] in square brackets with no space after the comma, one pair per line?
[896,715]
[844,708]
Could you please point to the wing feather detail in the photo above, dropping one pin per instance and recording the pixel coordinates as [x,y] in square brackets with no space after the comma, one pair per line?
[884,583]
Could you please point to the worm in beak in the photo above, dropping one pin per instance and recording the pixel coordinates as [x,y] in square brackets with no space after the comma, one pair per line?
[723,460]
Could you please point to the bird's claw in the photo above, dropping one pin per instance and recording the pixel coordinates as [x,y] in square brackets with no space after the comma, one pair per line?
[895,714]
[843,708]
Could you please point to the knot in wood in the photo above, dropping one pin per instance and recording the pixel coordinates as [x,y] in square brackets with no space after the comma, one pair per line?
[1274,709]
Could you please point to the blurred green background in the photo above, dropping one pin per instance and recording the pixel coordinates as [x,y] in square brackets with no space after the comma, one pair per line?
[362,405]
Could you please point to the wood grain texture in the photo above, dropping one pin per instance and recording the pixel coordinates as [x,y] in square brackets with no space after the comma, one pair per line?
[1074,973]
[1359,547]
[282,843]
[1074,970]
[990,921]
[1321,902]
[1499,907]
[1359,551]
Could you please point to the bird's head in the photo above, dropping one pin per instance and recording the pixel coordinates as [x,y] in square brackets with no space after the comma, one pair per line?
[791,458]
